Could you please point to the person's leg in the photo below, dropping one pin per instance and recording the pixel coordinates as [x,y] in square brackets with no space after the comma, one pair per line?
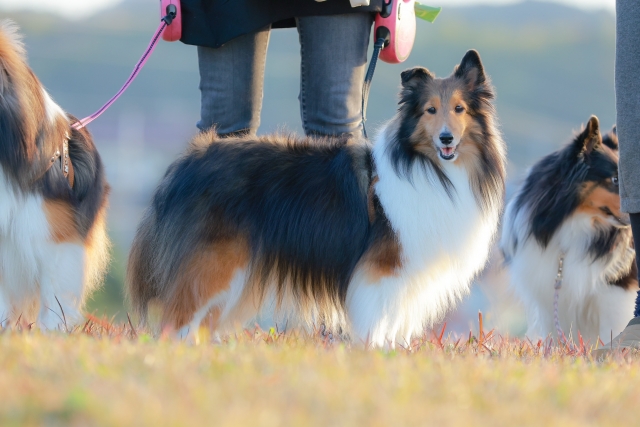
[628,129]
[333,66]
[628,110]
[635,229]
[231,84]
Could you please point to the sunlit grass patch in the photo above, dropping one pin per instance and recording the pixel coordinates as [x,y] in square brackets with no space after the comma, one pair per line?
[111,374]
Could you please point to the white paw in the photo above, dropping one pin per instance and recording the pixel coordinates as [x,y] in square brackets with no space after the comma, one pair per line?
[56,317]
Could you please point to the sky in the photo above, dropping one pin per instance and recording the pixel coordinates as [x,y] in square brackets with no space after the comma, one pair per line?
[76,9]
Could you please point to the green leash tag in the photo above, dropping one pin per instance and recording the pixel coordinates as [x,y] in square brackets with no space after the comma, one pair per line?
[428,13]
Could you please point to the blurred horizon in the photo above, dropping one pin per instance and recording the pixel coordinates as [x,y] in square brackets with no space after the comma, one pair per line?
[79,9]
[551,64]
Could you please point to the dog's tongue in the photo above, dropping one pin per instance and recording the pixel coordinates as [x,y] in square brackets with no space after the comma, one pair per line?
[447,151]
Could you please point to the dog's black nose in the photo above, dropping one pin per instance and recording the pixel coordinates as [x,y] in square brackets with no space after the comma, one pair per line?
[446,138]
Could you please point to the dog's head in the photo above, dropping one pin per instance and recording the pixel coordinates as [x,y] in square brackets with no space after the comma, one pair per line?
[579,179]
[31,124]
[451,121]
[599,194]
[451,114]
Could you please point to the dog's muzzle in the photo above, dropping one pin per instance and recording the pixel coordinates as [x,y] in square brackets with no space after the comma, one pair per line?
[447,150]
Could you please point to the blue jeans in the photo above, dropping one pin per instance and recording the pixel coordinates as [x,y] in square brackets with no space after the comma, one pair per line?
[333,65]
[628,113]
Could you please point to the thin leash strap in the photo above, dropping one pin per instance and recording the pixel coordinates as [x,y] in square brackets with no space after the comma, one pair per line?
[377,47]
[556,297]
[152,45]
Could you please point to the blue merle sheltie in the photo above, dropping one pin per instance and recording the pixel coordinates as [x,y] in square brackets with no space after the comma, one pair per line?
[377,241]
[567,217]
[53,197]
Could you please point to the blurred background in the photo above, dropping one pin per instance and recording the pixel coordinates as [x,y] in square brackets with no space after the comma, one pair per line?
[552,64]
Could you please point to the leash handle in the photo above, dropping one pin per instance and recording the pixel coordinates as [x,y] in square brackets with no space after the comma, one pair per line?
[147,53]
[381,42]
[171,11]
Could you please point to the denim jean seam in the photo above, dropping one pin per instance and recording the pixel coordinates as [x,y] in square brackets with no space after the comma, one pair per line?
[261,79]
[303,105]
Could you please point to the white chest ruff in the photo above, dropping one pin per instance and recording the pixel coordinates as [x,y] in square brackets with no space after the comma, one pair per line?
[444,243]
[23,233]
[587,302]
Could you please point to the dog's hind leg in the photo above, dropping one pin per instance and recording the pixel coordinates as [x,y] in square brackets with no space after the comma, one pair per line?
[224,307]
[211,281]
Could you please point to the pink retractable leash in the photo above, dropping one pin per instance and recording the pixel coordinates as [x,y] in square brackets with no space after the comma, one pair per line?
[395,30]
[394,34]
[172,11]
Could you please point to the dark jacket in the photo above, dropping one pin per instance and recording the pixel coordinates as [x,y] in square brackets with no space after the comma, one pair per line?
[214,22]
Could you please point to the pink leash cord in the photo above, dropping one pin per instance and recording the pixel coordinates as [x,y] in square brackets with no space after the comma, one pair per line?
[152,45]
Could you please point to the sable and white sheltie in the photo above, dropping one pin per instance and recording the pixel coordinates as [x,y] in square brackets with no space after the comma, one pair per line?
[569,208]
[53,197]
[374,241]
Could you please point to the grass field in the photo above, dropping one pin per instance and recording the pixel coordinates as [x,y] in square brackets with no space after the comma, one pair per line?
[104,374]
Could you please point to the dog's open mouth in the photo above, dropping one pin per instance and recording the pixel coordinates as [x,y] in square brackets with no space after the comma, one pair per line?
[447,153]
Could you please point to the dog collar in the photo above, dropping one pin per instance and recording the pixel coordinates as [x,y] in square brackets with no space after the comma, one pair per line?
[65,162]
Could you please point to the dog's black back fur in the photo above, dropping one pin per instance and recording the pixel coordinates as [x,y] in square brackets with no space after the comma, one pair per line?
[302,206]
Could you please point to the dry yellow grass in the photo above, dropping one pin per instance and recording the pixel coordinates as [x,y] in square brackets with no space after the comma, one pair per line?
[102,375]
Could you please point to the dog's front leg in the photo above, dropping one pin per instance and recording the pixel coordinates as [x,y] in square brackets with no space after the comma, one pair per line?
[5,307]
[61,286]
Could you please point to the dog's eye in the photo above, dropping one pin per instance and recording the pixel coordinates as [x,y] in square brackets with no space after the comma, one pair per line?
[614,179]
[431,110]
[459,108]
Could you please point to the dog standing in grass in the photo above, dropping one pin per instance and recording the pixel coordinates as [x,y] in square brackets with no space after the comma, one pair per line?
[375,241]
[53,198]
[566,221]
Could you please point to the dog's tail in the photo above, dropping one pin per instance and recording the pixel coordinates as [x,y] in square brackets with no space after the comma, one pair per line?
[164,240]
[140,286]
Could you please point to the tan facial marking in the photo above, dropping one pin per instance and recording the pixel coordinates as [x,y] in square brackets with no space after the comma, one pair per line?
[470,148]
[596,197]
[447,97]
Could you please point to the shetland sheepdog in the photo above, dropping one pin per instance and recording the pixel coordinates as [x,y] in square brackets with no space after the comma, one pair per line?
[376,241]
[569,209]
[53,197]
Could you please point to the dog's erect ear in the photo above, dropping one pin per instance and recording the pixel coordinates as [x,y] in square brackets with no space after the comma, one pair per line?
[471,69]
[415,76]
[611,139]
[590,138]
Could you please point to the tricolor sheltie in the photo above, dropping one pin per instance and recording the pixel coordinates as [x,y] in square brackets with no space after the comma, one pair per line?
[53,196]
[569,209]
[374,241]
